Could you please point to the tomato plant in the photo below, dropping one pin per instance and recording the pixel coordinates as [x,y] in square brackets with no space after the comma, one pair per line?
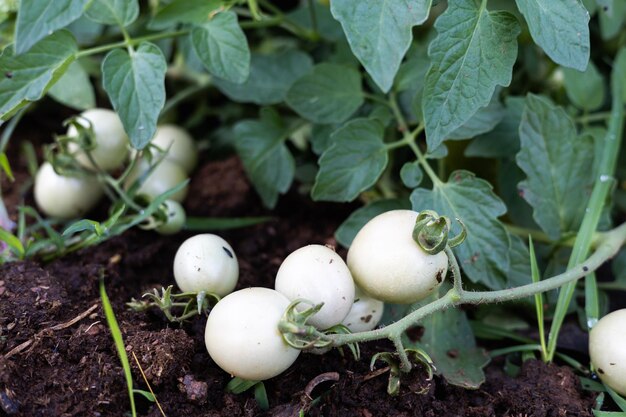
[478,143]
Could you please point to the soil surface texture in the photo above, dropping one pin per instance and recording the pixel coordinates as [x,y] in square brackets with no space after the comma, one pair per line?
[57,357]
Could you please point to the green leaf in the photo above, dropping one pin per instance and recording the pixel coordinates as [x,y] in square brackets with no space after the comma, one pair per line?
[353,163]
[74,88]
[146,394]
[27,77]
[327,27]
[380,32]
[271,75]
[184,11]
[321,137]
[135,84]
[37,19]
[331,93]
[118,340]
[350,227]
[6,167]
[113,12]
[83,225]
[483,121]
[449,341]
[503,140]
[561,28]
[584,89]
[612,20]
[222,47]
[266,159]
[473,53]
[12,241]
[558,166]
[411,174]
[519,270]
[484,256]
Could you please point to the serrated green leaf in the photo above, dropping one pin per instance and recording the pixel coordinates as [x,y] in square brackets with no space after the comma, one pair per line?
[135,84]
[266,159]
[484,254]
[74,88]
[331,93]
[519,269]
[483,121]
[503,140]
[558,166]
[271,75]
[449,341]
[222,47]
[380,32]
[353,163]
[411,174]
[561,28]
[37,19]
[27,77]
[184,11]
[584,89]
[473,53]
[350,227]
[113,12]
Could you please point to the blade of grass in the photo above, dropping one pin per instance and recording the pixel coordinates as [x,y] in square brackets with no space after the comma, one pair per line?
[592,304]
[119,343]
[199,224]
[534,269]
[601,188]
[260,395]
[154,397]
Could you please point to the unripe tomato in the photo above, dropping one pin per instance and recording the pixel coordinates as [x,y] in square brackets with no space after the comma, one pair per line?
[365,313]
[182,148]
[389,265]
[607,349]
[164,177]
[65,197]
[111,141]
[175,218]
[242,335]
[318,274]
[207,263]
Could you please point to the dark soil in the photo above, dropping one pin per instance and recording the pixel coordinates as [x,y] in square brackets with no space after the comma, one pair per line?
[57,357]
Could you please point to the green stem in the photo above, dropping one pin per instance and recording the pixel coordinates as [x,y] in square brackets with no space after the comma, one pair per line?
[425,165]
[614,239]
[183,95]
[456,271]
[539,236]
[130,42]
[601,189]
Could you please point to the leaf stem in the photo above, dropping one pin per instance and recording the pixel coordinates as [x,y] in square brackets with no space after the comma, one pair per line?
[614,239]
[131,42]
[539,236]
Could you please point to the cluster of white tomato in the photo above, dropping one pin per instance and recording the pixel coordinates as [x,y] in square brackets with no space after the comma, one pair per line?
[242,336]
[67,197]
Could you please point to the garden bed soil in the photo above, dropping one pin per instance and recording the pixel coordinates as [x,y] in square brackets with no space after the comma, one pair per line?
[57,357]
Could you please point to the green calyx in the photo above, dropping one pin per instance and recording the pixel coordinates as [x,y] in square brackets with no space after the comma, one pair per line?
[432,232]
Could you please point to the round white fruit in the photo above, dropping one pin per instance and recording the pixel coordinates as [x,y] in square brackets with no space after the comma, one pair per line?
[164,177]
[316,273]
[242,334]
[207,263]
[111,141]
[389,265]
[65,197]
[365,313]
[180,146]
[175,218]
[607,349]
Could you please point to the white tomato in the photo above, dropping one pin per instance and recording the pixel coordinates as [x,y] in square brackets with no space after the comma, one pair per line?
[206,262]
[607,349]
[65,197]
[242,335]
[389,265]
[175,220]
[365,313]
[164,177]
[180,146]
[316,273]
[111,141]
